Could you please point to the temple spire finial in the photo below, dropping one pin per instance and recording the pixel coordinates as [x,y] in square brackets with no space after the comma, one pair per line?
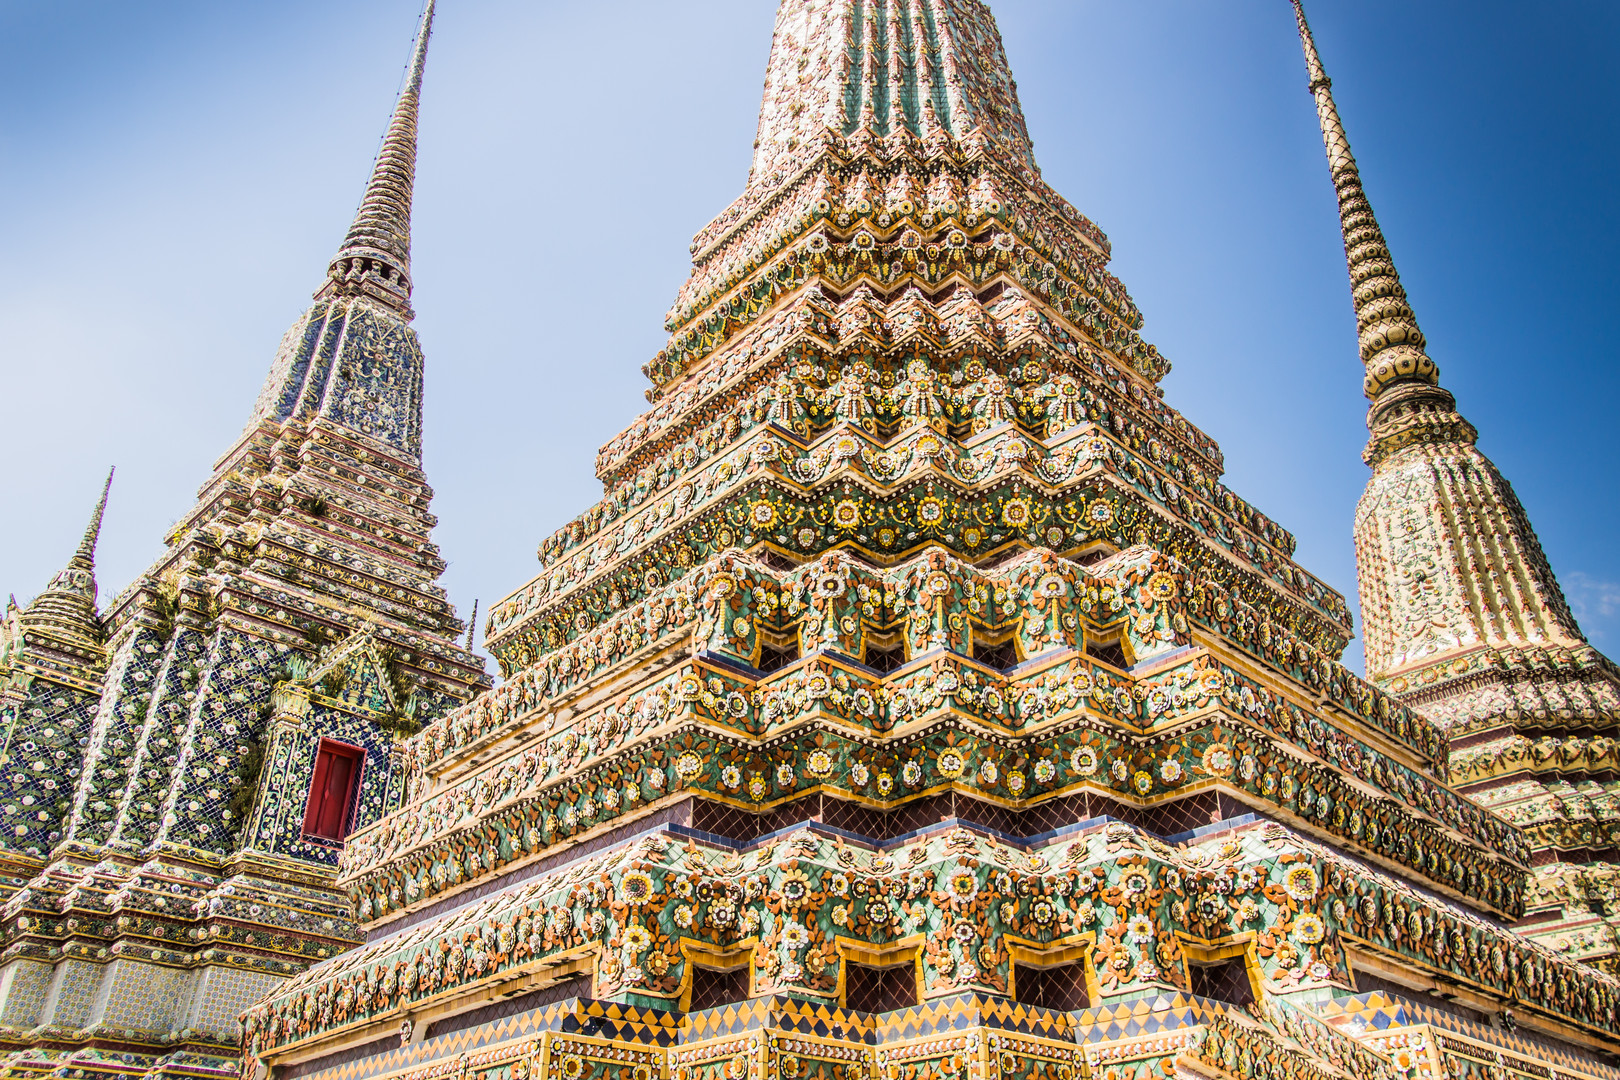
[66,610]
[472,626]
[375,259]
[92,532]
[1391,343]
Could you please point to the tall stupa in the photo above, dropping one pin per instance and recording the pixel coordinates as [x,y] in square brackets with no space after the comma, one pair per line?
[917,701]
[180,768]
[1463,619]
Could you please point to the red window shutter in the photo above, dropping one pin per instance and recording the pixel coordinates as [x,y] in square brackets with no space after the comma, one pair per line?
[335,798]
[317,788]
[332,790]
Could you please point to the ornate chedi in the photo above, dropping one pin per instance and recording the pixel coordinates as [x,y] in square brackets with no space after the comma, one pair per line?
[58,636]
[917,701]
[159,867]
[1464,620]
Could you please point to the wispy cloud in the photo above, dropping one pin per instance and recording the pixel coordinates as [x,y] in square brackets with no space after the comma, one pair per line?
[1595,601]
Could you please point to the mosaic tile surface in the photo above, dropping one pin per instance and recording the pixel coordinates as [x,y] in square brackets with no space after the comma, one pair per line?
[916,701]
[927,635]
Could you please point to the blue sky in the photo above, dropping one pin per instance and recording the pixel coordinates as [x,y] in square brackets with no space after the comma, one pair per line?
[175,175]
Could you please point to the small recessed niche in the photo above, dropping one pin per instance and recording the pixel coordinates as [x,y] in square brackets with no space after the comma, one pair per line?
[1224,980]
[1108,651]
[714,987]
[1061,987]
[884,652]
[1094,554]
[774,559]
[995,648]
[872,989]
[777,651]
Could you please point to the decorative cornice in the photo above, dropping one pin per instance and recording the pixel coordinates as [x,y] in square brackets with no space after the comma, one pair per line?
[1413,413]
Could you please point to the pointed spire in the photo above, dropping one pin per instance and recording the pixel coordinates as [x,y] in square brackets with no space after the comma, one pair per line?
[375,259]
[1391,343]
[86,555]
[1462,615]
[66,610]
[472,626]
[313,372]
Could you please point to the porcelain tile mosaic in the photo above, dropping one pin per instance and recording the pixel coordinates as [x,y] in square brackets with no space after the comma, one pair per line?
[917,700]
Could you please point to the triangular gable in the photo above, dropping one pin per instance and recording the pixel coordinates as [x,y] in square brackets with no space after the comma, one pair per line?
[366,683]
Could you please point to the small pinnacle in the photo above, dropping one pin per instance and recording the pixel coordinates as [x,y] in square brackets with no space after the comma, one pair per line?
[1391,345]
[375,259]
[92,532]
